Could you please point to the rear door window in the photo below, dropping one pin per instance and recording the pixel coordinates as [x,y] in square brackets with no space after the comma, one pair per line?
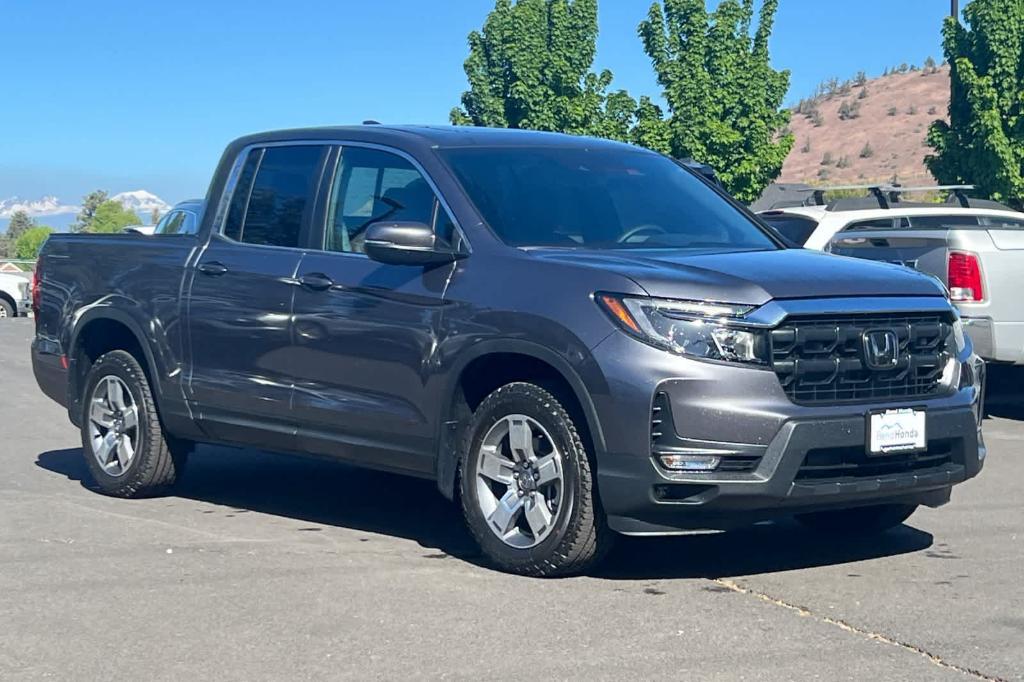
[274,195]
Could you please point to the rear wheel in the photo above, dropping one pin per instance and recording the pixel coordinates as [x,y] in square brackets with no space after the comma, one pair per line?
[6,309]
[124,445]
[859,520]
[527,487]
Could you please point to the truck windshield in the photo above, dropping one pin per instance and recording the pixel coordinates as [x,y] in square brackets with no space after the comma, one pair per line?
[603,198]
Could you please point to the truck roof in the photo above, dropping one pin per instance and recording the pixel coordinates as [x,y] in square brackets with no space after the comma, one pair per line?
[433,135]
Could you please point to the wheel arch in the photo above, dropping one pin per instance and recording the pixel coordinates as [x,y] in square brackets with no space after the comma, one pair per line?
[504,361]
[102,330]
[9,300]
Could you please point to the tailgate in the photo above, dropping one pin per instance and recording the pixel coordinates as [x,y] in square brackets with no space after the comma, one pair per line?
[924,250]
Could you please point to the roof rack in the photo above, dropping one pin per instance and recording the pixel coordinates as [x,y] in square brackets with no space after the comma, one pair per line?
[887,194]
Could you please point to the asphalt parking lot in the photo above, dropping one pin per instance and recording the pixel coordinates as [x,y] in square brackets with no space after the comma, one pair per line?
[263,566]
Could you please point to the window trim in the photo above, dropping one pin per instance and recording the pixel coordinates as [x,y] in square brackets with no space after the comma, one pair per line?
[318,218]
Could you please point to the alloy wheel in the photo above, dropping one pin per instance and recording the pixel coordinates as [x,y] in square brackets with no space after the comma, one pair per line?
[113,425]
[519,481]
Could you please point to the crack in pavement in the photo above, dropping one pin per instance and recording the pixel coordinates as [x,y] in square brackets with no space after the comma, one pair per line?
[843,625]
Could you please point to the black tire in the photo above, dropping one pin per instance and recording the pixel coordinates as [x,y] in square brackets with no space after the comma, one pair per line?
[159,460]
[6,309]
[579,537]
[860,521]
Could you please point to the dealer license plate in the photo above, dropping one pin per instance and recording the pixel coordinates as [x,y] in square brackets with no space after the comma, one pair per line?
[896,431]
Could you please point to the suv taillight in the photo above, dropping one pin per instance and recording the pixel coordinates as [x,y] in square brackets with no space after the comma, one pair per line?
[965,278]
[37,287]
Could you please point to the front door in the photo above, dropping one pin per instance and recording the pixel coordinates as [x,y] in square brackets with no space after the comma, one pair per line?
[240,301]
[366,332]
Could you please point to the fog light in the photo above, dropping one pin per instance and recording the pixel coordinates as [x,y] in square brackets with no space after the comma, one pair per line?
[690,462]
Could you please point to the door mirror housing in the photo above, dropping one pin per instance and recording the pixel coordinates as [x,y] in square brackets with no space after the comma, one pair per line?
[406,243]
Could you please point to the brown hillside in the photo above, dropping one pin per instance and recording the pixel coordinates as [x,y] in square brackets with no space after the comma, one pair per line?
[898,141]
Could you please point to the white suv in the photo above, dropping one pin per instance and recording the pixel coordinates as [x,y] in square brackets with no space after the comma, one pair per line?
[813,226]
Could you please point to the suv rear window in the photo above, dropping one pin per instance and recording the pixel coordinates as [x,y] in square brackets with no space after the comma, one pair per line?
[797,229]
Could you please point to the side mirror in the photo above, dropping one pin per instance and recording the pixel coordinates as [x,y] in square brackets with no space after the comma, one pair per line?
[406,243]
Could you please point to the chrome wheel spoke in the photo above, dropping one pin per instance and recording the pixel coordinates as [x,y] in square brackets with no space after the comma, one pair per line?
[105,448]
[125,452]
[495,467]
[538,516]
[503,518]
[549,469]
[520,438]
[115,393]
[131,417]
[100,415]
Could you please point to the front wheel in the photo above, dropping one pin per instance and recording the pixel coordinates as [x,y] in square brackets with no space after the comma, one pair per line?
[859,520]
[527,487]
[6,309]
[123,442]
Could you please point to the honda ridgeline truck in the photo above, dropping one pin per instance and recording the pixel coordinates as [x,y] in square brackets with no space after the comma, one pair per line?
[573,337]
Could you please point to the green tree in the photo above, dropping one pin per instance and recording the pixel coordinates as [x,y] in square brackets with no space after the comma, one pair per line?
[90,203]
[29,242]
[530,67]
[20,222]
[983,143]
[111,216]
[724,98]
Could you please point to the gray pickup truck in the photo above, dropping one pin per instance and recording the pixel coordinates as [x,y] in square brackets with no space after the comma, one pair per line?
[978,253]
[572,337]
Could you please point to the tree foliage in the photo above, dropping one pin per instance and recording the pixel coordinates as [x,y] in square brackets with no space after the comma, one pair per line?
[530,67]
[724,98]
[20,222]
[111,216]
[90,203]
[983,143]
[29,242]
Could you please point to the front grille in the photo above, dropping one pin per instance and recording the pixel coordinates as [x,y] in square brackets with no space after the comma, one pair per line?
[854,462]
[820,360]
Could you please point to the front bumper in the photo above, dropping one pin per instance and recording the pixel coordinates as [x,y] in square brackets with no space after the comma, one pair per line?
[642,498]
[744,414]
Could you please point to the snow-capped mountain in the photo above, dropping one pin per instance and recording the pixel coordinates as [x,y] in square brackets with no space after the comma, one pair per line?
[46,206]
[141,201]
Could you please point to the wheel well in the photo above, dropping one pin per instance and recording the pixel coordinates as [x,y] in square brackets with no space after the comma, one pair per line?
[102,336]
[14,306]
[489,372]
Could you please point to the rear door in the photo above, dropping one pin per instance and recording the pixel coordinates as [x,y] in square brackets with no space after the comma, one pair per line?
[366,333]
[240,301]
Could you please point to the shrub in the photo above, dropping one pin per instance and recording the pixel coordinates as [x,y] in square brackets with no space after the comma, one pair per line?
[826,159]
[912,109]
[843,162]
[806,149]
[892,111]
[817,119]
[849,110]
[933,110]
[867,151]
[863,94]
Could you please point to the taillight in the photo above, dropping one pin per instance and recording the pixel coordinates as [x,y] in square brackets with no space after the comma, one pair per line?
[965,278]
[37,294]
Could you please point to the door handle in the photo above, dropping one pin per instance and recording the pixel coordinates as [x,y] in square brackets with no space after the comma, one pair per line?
[213,268]
[316,281]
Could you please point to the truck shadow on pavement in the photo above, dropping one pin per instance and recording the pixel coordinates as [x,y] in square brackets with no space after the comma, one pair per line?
[328,494]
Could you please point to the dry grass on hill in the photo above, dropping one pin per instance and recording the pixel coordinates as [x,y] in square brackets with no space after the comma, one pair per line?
[892,119]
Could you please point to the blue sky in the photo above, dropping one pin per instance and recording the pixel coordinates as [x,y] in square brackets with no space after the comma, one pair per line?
[125,95]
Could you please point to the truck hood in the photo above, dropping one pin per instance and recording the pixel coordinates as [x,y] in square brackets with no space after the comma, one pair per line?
[751,277]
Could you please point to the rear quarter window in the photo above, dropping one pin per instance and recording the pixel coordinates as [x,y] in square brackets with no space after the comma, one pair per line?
[796,229]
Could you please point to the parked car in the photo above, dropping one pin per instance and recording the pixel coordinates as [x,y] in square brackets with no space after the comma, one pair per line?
[979,257]
[811,222]
[572,337]
[14,299]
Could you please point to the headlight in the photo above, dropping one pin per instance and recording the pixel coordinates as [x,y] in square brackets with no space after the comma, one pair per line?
[694,328]
[958,336]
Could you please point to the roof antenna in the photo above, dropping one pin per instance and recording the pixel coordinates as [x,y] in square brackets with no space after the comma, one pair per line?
[371,122]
